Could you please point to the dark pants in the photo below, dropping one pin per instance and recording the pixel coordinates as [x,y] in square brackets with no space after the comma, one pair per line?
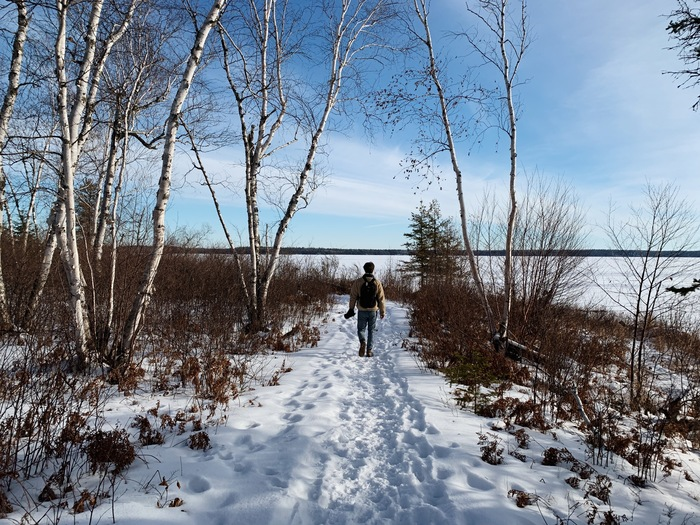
[366,320]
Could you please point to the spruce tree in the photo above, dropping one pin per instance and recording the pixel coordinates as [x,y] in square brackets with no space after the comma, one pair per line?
[433,243]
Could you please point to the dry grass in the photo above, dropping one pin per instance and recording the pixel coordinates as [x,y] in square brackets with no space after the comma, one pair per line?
[571,354]
[194,340]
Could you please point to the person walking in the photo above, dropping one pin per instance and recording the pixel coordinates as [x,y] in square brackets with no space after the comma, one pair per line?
[367,293]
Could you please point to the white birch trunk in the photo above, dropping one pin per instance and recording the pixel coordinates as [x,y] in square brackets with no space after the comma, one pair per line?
[351,25]
[8,104]
[347,32]
[142,299]
[256,142]
[102,212]
[75,122]
[55,220]
[422,12]
[505,56]
[70,120]
[30,218]
[509,73]
[113,232]
[508,263]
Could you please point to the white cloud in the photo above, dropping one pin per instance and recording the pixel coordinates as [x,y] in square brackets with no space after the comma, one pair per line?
[597,110]
[367,181]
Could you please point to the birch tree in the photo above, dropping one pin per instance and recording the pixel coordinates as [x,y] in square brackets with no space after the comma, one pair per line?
[136,316]
[8,104]
[137,81]
[456,109]
[503,49]
[75,111]
[287,68]
[442,94]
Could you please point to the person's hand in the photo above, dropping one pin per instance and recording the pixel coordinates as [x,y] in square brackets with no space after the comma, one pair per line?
[349,313]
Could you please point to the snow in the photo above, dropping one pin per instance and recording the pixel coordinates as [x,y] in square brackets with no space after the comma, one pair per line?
[350,440]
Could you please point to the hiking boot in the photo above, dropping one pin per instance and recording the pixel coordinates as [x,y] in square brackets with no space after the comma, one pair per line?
[362,349]
[369,352]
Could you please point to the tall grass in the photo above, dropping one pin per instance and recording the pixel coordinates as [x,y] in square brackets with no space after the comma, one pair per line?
[194,340]
[572,363]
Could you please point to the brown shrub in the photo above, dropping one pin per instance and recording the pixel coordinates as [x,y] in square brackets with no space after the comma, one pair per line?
[522,498]
[5,505]
[491,449]
[86,501]
[147,434]
[516,412]
[199,441]
[105,449]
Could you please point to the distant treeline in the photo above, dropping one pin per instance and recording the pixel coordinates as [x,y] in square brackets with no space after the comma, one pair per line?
[366,251]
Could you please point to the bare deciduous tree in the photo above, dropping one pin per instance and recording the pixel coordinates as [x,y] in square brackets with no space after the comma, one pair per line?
[138,309]
[446,114]
[504,51]
[75,112]
[137,81]
[284,110]
[651,242]
[548,268]
[8,103]
[548,237]
[468,104]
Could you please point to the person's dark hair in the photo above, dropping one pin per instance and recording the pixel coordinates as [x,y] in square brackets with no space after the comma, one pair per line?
[369,267]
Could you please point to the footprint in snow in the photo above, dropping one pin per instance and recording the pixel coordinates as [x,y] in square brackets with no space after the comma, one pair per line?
[197,485]
[292,418]
[442,452]
[444,473]
[432,430]
[479,483]
[242,467]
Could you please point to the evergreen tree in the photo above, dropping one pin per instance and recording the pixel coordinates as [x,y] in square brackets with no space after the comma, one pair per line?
[433,243]
[684,28]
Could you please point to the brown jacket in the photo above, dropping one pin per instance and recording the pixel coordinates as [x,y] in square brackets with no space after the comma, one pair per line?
[355,294]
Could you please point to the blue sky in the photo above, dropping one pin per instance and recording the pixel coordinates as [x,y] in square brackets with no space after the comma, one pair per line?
[597,111]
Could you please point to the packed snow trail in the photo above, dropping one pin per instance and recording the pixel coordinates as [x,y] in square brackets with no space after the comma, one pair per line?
[346,443]
[353,445]
[374,459]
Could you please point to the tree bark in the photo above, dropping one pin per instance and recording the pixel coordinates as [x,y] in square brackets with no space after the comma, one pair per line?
[512,133]
[506,57]
[266,84]
[70,119]
[422,12]
[8,105]
[104,205]
[75,112]
[143,296]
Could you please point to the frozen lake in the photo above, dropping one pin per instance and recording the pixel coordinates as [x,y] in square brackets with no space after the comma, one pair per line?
[606,280]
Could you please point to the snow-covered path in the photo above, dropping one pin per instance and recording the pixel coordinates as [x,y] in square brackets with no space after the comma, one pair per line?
[350,444]
[341,440]
[372,458]
[350,440]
